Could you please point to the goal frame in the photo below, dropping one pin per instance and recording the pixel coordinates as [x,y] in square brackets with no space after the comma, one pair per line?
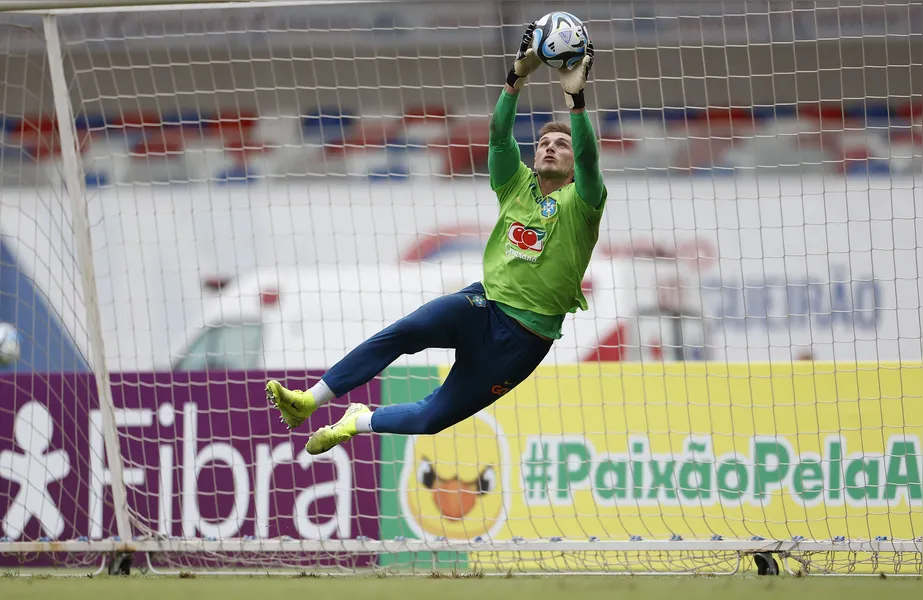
[124,543]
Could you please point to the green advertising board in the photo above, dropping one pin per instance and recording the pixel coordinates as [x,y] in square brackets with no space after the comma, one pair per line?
[401,385]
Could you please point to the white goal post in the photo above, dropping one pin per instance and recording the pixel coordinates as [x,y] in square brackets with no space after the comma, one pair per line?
[196,196]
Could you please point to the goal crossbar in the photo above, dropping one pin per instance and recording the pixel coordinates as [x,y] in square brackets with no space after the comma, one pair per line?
[62,7]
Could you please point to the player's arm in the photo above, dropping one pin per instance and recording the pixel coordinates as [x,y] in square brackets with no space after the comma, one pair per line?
[502,150]
[588,179]
[503,157]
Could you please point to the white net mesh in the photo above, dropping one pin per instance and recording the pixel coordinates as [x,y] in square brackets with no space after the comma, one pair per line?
[45,345]
[269,185]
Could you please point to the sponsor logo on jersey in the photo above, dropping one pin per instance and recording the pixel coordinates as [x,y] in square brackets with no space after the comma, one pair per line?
[499,390]
[526,238]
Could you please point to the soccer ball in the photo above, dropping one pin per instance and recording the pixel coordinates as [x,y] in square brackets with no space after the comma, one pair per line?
[560,40]
[9,344]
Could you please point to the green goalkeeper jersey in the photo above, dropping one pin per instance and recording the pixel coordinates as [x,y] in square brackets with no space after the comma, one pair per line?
[540,248]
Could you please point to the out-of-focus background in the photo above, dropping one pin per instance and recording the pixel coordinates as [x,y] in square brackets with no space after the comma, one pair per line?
[762,157]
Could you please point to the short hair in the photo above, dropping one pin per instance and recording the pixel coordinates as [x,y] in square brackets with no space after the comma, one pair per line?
[554,127]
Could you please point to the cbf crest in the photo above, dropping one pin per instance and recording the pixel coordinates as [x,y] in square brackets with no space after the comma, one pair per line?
[549,207]
[477,300]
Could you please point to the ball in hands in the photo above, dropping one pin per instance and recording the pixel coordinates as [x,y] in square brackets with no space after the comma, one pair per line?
[560,40]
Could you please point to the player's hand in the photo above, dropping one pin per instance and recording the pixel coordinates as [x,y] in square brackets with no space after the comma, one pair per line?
[526,62]
[574,80]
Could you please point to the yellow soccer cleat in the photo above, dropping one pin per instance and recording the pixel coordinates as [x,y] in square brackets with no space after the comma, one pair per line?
[296,406]
[343,430]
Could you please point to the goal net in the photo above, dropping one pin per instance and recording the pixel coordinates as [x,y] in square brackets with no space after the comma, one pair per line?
[199,197]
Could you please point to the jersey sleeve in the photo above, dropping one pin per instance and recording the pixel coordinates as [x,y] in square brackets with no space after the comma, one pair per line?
[503,159]
[587,177]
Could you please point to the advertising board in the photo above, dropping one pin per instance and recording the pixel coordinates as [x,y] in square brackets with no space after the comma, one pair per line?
[204,456]
[692,450]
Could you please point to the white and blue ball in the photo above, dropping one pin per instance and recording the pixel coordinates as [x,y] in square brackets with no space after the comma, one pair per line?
[9,344]
[560,40]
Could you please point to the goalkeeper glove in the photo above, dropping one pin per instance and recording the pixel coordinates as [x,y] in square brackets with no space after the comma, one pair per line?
[526,62]
[574,80]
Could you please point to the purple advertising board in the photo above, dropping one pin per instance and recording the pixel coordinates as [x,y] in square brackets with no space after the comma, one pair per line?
[204,456]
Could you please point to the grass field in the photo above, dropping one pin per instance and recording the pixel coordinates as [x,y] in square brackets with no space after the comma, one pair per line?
[530,588]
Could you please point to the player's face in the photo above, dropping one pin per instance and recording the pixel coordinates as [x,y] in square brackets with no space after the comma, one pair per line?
[554,156]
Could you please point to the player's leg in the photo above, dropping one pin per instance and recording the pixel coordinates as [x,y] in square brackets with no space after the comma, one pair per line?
[498,356]
[436,324]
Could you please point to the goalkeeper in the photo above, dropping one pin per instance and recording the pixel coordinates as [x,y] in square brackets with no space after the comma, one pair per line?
[502,327]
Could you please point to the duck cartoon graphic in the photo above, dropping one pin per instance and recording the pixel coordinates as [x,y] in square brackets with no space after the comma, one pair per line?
[455,483]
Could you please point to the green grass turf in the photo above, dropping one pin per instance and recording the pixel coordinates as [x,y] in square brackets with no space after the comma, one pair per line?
[404,588]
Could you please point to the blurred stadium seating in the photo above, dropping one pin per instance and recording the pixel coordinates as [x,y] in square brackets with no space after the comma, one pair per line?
[426,141]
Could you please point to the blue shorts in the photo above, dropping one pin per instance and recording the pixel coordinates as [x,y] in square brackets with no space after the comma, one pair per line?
[494,353]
